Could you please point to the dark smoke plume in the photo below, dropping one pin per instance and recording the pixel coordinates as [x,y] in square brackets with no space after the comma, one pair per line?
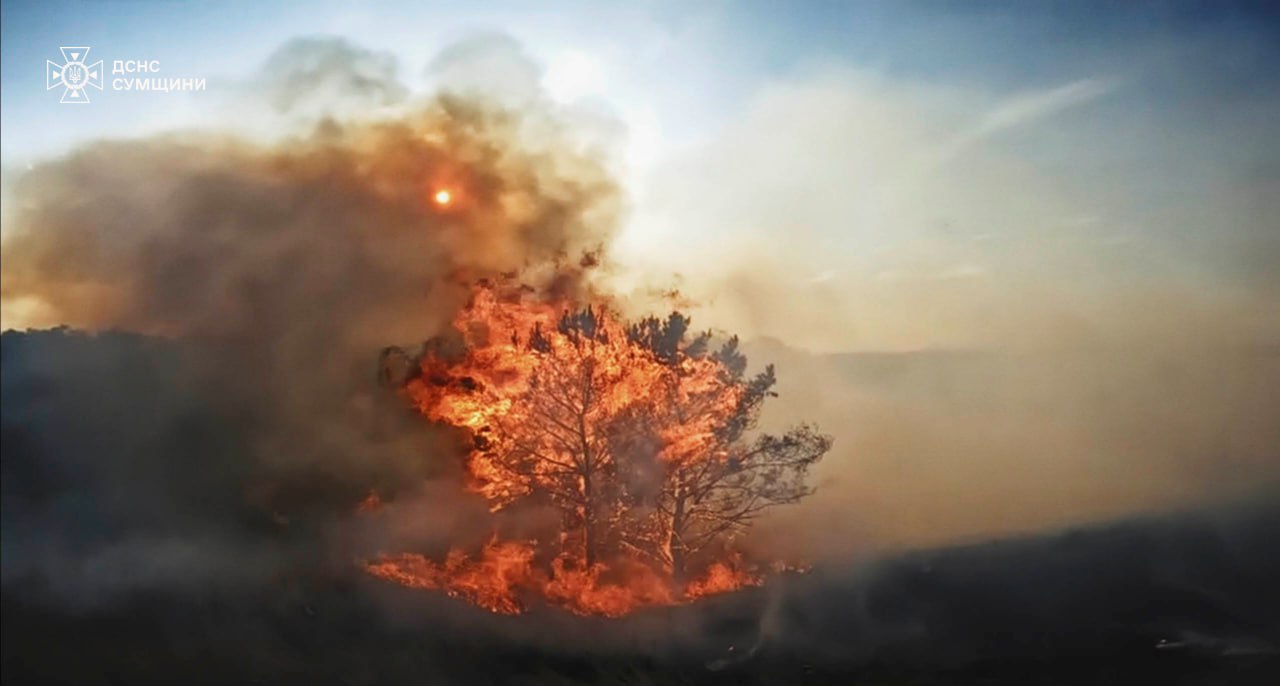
[274,273]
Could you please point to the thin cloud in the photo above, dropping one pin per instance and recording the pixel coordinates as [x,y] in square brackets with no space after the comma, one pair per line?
[1023,110]
[1027,108]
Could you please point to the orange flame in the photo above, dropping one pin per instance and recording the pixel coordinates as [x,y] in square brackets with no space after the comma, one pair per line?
[510,352]
[504,579]
[371,503]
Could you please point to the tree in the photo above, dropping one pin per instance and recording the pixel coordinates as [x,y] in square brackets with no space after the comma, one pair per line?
[554,438]
[638,434]
[712,481]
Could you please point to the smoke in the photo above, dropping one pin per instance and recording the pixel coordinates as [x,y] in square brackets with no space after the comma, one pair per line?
[843,208]
[231,440]
[1194,582]
[935,447]
[276,268]
[1017,308]
[321,77]
[244,432]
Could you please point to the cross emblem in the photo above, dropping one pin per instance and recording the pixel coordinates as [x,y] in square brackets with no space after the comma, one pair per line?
[73,75]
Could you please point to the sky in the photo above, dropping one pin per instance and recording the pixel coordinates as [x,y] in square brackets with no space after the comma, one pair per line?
[839,175]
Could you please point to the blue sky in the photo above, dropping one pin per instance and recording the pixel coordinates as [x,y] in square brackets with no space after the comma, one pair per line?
[719,50]
[880,148]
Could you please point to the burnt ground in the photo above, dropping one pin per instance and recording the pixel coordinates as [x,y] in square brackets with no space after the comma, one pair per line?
[1178,598]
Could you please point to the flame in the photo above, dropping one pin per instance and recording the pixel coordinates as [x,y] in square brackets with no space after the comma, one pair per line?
[371,503]
[504,579]
[540,388]
[721,577]
[491,581]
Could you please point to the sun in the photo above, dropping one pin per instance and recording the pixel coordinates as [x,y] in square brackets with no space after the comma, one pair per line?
[443,197]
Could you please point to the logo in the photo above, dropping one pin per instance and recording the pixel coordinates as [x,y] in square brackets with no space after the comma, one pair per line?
[73,75]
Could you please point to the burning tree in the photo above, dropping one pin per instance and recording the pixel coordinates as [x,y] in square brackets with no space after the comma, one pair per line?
[640,436]
[708,482]
[555,435]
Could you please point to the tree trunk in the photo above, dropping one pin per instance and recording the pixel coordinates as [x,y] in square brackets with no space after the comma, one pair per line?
[588,494]
[588,521]
[675,543]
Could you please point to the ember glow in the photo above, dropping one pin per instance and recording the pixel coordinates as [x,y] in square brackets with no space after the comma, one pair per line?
[641,437]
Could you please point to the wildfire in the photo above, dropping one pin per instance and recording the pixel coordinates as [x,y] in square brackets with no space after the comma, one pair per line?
[504,577]
[635,434]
